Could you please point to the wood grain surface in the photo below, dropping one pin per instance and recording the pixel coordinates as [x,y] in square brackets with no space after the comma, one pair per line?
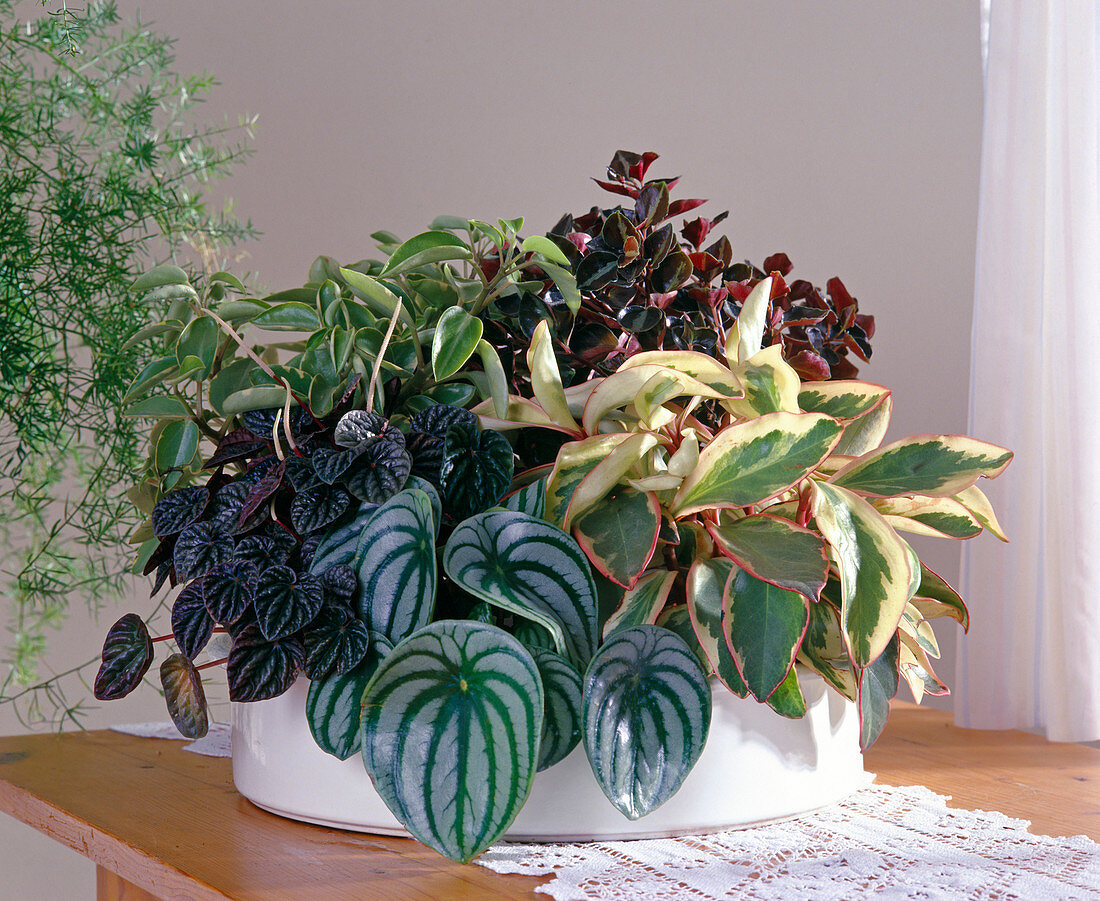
[170,822]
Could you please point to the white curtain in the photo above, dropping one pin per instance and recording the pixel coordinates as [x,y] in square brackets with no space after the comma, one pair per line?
[1032,659]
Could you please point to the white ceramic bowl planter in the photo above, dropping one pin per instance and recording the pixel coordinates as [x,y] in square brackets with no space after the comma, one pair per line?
[756,766]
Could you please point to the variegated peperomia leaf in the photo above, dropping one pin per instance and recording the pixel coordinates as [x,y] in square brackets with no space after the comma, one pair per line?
[776,550]
[646,716]
[843,399]
[607,474]
[763,625]
[184,696]
[620,390]
[397,566]
[334,704]
[756,460]
[974,499]
[935,465]
[878,683]
[935,598]
[561,715]
[642,604]
[824,652]
[619,534]
[527,566]
[942,517]
[575,460]
[451,727]
[770,385]
[706,592]
[787,700]
[874,569]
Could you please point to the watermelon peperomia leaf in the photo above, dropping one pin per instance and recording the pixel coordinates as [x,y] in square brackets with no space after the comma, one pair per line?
[561,714]
[334,703]
[646,714]
[451,725]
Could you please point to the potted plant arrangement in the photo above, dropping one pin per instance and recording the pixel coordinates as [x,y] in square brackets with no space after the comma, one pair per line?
[498,501]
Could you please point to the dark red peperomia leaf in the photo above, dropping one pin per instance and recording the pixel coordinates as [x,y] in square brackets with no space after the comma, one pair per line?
[234,446]
[228,589]
[192,625]
[379,472]
[184,696]
[261,491]
[316,508]
[335,642]
[199,548]
[286,601]
[127,654]
[178,509]
[259,669]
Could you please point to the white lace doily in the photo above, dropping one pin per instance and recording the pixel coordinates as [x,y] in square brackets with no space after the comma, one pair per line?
[214,744]
[888,843]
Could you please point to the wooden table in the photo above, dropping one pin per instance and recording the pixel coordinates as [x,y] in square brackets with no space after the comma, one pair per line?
[165,823]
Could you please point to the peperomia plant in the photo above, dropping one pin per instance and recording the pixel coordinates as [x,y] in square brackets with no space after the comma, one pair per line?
[473,593]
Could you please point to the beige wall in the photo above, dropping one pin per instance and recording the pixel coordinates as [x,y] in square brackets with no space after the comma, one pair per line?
[845,133]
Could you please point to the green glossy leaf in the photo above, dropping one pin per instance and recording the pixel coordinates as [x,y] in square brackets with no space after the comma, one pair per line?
[878,683]
[676,619]
[427,247]
[159,408]
[253,399]
[288,317]
[170,328]
[334,704]
[184,696]
[454,223]
[642,604]
[764,626]
[377,296]
[566,283]
[936,465]
[495,375]
[543,245]
[777,551]
[527,566]
[199,339]
[155,373]
[159,276]
[706,592]
[456,337]
[177,445]
[619,534]
[646,715]
[874,569]
[397,566]
[561,715]
[228,278]
[451,727]
[755,460]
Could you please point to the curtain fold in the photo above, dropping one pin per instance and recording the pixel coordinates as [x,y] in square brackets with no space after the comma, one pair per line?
[1032,658]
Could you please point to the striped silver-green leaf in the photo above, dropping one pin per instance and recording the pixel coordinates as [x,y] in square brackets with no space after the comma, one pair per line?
[530,499]
[874,569]
[451,727]
[706,591]
[333,704]
[527,566]
[342,542]
[642,604]
[755,460]
[561,714]
[776,550]
[936,465]
[397,566]
[763,625]
[646,715]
